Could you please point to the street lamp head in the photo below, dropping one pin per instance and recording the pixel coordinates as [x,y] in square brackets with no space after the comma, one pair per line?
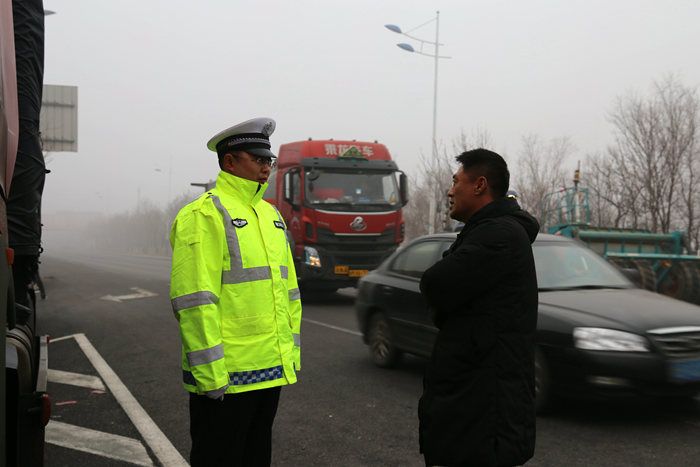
[393,28]
[407,47]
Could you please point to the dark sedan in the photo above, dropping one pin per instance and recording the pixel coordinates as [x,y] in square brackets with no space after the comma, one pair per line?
[596,333]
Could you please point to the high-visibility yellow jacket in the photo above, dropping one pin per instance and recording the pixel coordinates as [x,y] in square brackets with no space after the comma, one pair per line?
[234,291]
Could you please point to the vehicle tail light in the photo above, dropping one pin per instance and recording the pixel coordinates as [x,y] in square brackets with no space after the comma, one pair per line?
[47,409]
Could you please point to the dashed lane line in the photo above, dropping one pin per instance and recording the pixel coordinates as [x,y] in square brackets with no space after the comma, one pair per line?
[75,379]
[156,440]
[337,328]
[96,442]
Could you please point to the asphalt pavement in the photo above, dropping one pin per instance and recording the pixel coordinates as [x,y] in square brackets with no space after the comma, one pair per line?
[118,399]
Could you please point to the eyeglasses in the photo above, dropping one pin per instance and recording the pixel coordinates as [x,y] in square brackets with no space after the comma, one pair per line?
[263,161]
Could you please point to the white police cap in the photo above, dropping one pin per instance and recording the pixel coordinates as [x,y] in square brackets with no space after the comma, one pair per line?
[252,136]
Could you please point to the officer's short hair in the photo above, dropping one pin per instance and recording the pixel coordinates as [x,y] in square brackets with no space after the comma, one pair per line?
[484,163]
[223,151]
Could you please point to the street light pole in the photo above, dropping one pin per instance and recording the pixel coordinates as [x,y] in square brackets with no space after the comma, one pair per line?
[432,176]
[433,165]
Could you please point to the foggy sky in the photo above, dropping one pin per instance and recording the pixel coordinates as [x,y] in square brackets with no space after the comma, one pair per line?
[157,79]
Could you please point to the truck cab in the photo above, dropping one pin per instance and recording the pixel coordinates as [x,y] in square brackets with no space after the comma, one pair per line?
[342,203]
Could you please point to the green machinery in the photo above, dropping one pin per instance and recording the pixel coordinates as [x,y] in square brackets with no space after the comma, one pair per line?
[665,262]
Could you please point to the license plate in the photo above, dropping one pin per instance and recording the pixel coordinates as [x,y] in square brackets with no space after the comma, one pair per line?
[358,272]
[341,269]
[688,370]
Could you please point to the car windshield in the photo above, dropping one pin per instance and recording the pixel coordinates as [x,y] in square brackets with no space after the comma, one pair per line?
[563,265]
[373,191]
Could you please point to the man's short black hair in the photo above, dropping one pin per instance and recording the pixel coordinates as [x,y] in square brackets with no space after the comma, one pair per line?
[484,163]
[223,151]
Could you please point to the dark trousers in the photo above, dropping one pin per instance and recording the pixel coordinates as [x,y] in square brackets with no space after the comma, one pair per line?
[235,432]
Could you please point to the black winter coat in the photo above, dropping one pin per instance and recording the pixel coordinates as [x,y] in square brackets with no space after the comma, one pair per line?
[478,404]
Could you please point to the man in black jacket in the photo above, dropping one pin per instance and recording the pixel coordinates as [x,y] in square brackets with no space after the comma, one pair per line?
[478,404]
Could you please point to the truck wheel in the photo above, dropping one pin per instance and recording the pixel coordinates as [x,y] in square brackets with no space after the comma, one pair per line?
[682,282]
[381,344]
[647,273]
[619,263]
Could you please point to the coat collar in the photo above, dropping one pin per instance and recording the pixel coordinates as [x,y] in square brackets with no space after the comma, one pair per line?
[496,208]
[240,189]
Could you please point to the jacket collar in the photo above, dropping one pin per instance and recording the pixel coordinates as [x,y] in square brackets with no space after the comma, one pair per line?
[496,208]
[240,189]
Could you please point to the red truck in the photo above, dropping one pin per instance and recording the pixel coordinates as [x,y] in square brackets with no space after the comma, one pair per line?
[25,407]
[342,203]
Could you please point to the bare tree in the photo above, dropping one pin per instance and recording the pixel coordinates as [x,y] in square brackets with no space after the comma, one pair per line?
[539,171]
[416,212]
[146,230]
[609,203]
[654,156]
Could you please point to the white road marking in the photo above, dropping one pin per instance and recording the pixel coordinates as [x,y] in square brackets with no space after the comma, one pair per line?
[97,442]
[75,379]
[140,293]
[161,446]
[59,339]
[349,331]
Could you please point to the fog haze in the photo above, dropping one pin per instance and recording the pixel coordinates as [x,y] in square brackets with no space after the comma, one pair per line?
[157,79]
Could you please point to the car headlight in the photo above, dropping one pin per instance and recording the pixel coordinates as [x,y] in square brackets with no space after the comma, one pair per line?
[609,339]
[311,257]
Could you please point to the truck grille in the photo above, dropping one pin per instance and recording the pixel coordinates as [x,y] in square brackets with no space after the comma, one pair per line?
[677,342]
[356,243]
[356,251]
[359,260]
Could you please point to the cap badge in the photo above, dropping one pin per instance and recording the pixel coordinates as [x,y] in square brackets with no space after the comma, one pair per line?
[266,129]
[239,222]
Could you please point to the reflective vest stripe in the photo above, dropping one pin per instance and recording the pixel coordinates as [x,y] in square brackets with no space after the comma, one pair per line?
[246,275]
[283,269]
[297,339]
[240,378]
[237,274]
[194,299]
[202,357]
[285,230]
[294,294]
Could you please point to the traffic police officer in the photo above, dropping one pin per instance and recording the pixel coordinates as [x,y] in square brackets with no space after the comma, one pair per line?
[235,295]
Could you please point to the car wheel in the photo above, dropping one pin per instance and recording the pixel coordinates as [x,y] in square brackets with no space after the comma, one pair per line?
[542,383]
[381,342]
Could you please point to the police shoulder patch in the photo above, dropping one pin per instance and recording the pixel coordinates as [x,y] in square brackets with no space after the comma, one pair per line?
[279,225]
[239,222]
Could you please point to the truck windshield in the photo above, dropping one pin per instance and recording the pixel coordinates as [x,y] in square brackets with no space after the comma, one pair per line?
[342,190]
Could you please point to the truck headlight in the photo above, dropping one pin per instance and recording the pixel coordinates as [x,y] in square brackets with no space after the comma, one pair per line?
[311,257]
[609,339]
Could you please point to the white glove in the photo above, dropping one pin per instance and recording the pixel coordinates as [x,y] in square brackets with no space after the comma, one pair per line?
[217,393]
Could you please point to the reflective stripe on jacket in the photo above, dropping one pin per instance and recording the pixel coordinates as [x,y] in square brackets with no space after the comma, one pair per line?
[234,291]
